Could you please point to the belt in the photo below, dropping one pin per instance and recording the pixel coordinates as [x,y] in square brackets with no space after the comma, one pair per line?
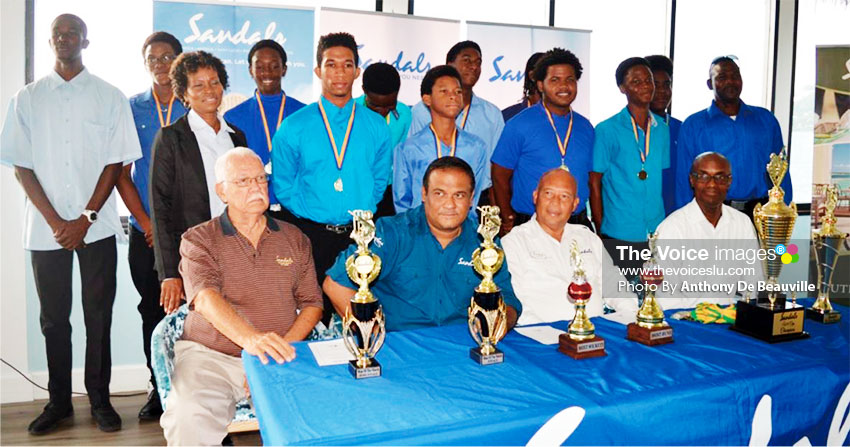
[338,229]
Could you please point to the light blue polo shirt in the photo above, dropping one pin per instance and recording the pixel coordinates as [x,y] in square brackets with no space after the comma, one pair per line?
[632,207]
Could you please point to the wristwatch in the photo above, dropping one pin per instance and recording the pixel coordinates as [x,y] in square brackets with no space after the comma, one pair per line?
[91,215]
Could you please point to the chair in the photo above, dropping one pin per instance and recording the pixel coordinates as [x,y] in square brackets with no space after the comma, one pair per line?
[170,329]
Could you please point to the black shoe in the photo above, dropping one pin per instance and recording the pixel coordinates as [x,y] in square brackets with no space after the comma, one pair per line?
[152,409]
[106,417]
[50,419]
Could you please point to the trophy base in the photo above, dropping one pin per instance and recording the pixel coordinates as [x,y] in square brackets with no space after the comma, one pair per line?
[773,325]
[583,349]
[491,359]
[649,336]
[373,370]
[823,317]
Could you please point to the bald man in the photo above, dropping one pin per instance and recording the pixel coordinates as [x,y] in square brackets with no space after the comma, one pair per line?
[538,255]
[706,223]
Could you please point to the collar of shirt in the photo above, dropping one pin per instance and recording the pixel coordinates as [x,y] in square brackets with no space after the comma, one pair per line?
[715,112]
[229,229]
[626,119]
[79,81]
[695,215]
[336,114]
[197,124]
[274,97]
[421,227]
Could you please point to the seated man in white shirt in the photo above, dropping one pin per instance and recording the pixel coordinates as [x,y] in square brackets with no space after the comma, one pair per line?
[538,255]
[726,234]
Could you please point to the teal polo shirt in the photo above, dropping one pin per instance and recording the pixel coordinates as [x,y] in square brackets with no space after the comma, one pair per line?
[632,207]
[422,284]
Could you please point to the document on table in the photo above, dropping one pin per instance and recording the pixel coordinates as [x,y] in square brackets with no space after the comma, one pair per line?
[546,335]
[330,352]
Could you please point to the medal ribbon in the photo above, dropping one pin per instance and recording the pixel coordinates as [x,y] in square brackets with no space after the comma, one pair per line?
[562,145]
[645,153]
[465,116]
[339,154]
[167,120]
[265,121]
[439,146]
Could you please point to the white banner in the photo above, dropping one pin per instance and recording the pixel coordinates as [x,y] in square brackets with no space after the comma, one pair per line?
[411,44]
[506,49]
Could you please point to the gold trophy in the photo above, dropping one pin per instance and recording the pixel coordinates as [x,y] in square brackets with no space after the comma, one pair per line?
[363,328]
[650,328]
[770,318]
[826,243]
[580,341]
[488,320]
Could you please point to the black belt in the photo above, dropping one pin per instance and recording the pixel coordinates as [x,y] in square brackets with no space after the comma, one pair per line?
[337,229]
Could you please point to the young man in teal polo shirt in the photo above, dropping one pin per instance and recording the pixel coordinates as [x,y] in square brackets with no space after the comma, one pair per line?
[426,277]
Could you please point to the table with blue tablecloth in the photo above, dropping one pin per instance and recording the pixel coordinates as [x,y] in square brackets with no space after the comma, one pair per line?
[706,388]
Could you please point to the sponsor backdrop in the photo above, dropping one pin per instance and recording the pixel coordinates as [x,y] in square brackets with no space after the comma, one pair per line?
[229,32]
[506,49]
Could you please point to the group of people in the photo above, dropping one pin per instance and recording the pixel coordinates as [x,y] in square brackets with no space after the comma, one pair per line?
[245,215]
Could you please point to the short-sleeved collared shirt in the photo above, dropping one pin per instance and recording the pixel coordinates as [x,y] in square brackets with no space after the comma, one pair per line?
[399,124]
[264,285]
[146,118]
[529,148]
[247,117]
[411,160]
[747,141]
[67,132]
[483,120]
[422,284]
[632,207]
[541,271]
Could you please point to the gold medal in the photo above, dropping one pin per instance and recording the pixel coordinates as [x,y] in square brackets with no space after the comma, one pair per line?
[642,174]
[338,184]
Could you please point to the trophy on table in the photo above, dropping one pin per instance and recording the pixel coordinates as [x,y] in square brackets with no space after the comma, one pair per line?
[826,243]
[487,313]
[580,340]
[650,328]
[363,328]
[771,318]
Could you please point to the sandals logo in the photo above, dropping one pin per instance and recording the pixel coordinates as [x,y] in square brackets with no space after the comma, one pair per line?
[788,254]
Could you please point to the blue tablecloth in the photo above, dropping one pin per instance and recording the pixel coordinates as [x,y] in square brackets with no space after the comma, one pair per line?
[701,390]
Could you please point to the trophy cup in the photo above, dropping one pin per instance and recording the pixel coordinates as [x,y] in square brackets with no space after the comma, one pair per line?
[363,328]
[770,318]
[487,315]
[650,328]
[580,341]
[826,242]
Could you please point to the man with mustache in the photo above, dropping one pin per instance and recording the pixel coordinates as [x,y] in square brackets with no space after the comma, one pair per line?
[744,134]
[68,135]
[546,135]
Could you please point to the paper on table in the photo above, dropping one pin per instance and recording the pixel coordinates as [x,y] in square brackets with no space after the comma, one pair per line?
[546,335]
[623,318]
[330,352]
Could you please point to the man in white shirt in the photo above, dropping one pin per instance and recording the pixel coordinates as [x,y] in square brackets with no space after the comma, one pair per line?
[726,234]
[68,135]
[538,255]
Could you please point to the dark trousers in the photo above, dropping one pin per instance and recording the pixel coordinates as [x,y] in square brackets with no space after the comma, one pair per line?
[624,258]
[52,271]
[327,243]
[578,219]
[141,260]
[746,206]
[386,206]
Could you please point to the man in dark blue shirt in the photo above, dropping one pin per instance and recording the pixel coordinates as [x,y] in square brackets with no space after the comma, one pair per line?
[260,115]
[426,277]
[744,134]
[543,137]
[152,110]
[662,74]
[530,94]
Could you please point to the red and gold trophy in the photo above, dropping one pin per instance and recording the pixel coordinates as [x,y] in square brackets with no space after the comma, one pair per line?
[580,341]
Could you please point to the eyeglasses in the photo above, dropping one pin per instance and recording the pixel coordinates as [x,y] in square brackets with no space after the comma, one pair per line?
[165,59]
[719,179]
[248,181]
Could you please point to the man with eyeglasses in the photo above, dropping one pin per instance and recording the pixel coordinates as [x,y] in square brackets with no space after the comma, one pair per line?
[707,223]
[152,109]
[744,134]
[250,284]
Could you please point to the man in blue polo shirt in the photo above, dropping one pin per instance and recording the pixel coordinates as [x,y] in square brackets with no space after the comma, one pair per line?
[544,136]
[746,135]
[478,116]
[260,115]
[331,156]
[662,74]
[426,276]
[442,93]
[153,109]
[629,153]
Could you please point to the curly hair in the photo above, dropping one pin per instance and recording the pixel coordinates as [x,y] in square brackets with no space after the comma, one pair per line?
[623,68]
[336,40]
[190,63]
[435,73]
[556,56]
